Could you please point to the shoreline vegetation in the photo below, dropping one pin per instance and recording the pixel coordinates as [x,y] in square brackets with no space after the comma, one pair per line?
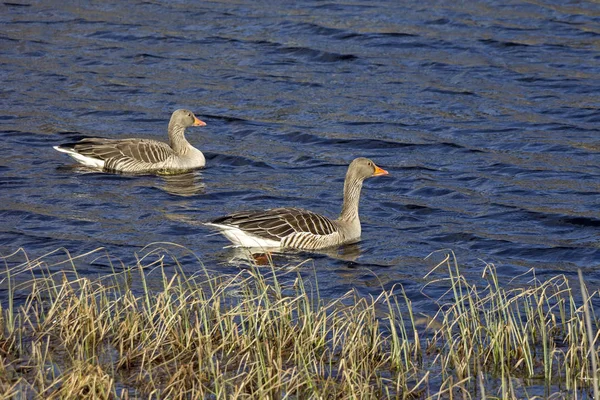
[266,333]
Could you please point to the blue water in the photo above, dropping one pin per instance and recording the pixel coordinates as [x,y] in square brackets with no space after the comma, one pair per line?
[486,115]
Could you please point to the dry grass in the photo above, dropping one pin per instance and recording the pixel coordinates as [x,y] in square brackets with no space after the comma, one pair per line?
[265,333]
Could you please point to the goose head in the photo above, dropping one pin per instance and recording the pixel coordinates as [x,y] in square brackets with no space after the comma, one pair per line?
[362,168]
[185,118]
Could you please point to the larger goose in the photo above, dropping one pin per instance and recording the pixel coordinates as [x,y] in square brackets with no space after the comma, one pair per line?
[141,155]
[302,229]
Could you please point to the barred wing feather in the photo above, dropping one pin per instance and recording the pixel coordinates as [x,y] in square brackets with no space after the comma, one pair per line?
[147,151]
[278,223]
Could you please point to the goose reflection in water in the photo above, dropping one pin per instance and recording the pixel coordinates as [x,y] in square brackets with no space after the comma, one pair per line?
[251,256]
[184,185]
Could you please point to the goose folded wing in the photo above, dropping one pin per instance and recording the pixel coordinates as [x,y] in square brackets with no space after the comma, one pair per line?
[279,223]
[147,151]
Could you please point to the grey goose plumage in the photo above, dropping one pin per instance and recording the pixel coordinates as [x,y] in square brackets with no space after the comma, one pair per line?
[141,155]
[301,229]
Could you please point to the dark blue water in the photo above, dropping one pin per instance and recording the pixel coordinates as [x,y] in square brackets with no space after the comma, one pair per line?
[487,117]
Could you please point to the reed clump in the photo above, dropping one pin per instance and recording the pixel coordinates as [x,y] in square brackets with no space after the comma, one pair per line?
[265,332]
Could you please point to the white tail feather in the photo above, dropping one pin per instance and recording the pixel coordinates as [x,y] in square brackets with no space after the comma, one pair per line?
[85,160]
[243,239]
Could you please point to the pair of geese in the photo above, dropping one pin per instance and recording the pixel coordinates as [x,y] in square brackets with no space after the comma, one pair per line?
[275,228]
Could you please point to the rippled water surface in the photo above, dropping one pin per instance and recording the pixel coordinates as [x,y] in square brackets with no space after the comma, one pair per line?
[486,116]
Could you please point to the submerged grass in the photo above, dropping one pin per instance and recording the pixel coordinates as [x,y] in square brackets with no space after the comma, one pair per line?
[265,333]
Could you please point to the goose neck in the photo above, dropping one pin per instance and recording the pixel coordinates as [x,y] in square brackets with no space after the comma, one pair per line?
[177,139]
[352,188]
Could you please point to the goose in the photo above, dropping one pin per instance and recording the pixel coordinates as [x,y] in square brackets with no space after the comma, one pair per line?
[141,155]
[295,228]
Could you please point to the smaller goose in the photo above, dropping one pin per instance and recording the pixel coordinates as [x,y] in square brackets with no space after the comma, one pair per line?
[141,155]
[301,229]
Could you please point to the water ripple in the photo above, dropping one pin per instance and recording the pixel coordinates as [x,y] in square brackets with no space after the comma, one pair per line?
[485,114]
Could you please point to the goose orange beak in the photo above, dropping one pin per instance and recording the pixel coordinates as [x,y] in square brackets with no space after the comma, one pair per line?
[197,122]
[379,171]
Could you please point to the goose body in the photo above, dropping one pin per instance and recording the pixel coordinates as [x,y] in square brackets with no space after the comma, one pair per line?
[301,229]
[135,155]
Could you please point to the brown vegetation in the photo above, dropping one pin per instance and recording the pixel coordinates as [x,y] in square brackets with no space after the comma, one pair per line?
[252,336]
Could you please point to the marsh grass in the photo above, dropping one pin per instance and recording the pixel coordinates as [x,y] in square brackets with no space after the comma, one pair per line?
[265,333]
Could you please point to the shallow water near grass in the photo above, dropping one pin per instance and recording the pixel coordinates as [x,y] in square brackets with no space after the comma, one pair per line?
[485,115]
